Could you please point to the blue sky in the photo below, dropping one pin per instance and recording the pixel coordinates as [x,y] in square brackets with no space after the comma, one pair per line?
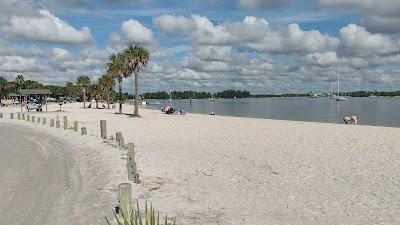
[265,46]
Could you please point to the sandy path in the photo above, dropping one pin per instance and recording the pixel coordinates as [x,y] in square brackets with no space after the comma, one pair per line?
[56,178]
[39,178]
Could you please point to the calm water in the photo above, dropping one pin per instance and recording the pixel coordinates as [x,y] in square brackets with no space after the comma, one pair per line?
[380,111]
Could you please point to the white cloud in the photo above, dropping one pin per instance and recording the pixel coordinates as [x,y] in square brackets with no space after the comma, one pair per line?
[292,39]
[136,33]
[24,21]
[171,24]
[357,41]
[20,64]
[323,59]
[379,15]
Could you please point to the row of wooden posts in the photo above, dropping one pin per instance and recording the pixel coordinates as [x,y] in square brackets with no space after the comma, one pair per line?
[125,189]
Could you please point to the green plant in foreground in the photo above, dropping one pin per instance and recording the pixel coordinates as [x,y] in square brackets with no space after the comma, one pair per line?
[134,217]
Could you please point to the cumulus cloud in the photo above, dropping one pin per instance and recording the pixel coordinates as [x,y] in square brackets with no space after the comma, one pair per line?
[252,32]
[136,33]
[323,59]
[25,21]
[357,41]
[292,39]
[379,16]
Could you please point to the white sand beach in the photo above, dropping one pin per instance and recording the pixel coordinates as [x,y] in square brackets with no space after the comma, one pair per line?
[204,169]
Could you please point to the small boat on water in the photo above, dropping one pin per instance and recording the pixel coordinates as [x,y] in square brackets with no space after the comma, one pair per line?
[313,95]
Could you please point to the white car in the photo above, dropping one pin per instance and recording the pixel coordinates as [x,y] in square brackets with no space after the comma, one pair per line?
[34,105]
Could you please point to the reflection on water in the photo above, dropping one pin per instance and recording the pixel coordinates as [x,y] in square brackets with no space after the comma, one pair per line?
[371,111]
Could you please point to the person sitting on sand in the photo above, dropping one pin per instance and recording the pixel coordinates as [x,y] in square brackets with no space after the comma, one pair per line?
[353,120]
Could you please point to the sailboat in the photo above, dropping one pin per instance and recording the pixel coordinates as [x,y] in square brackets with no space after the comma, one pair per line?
[340,98]
[212,98]
[332,96]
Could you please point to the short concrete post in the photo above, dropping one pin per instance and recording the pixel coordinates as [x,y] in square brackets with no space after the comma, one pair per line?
[65,122]
[1,115]
[33,119]
[28,118]
[12,116]
[44,121]
[19,116]
[125,198]
[58,124]
[83,131]
[51,122]
[103,129]
[119,138]
[23,116]
[75,126]
[39,120]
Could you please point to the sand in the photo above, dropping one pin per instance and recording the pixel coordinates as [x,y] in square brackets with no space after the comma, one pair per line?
[204,169]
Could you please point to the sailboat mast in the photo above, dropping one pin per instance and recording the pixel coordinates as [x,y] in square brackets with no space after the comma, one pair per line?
[338,92]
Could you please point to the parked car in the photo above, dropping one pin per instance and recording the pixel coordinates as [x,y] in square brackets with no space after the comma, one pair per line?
[34,105]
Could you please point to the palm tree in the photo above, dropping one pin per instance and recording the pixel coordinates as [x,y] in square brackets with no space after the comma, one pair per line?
[116,68]
[84,83]
[94,92]
[107,84]
[136,57]
[19,81]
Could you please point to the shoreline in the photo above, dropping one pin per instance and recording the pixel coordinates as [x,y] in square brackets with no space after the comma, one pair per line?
[204,169]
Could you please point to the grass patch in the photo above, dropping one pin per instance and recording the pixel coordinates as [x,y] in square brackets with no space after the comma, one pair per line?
[137,217]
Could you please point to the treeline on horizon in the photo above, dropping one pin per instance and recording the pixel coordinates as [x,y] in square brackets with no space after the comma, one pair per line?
[72,90]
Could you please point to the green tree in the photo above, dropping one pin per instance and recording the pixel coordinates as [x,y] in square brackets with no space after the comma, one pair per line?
[69,88]
[117,69]
[19,82]
[84,83]
[3,86]
[106,85]
[136,58]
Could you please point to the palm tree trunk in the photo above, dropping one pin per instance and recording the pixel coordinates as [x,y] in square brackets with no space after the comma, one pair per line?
[120,94]
[136,112]
[108,100]
[84,98]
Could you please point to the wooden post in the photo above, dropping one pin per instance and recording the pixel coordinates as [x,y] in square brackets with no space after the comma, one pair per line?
[20,101]
[58,124]
[12,116]
[23,116]
[28,118]
[120,139]
[44,121]
[103,129]
[19,116]
[125,198]
[133,175]
[38,120]
[46,102]
[75,126]
[83,131]
[65,122]
[33,119]
[51,122]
